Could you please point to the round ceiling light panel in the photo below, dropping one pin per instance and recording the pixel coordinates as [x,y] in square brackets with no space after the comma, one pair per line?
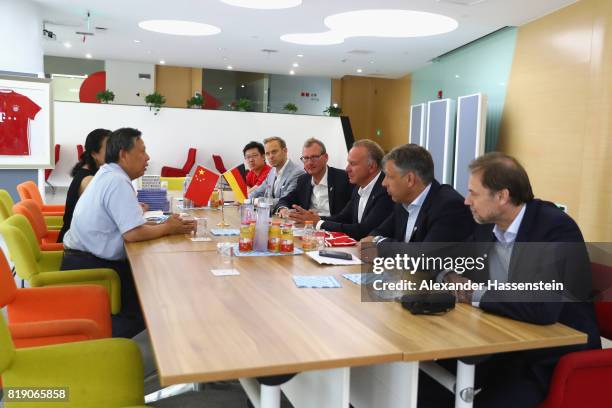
[179,27]
[264,4]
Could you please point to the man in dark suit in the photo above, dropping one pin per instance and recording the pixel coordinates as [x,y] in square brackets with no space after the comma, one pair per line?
[425,211]
[323,189]
[369,204]
[501,200]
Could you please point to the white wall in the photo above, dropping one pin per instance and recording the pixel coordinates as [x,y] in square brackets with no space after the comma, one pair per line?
[21,37]
[122,79]
[169,134]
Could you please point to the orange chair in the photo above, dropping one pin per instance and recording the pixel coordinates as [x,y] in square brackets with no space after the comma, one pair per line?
[47,240]
[52,315]
[29,190]
[168,171]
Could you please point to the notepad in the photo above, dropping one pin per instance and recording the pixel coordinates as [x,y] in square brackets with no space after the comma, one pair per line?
[359,278]
[320,281]
[332,261]
[225,232]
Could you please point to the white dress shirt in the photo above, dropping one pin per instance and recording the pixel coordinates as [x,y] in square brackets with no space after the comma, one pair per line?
[413,210]
[364,195]
[319,200]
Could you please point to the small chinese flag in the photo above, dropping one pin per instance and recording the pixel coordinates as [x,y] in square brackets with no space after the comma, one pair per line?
[201,186]
[237,184]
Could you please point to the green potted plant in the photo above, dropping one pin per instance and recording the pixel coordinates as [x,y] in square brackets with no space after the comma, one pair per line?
[290,108]
[105,96]
[333,110]
[195,102]
[243,104]
[155,101]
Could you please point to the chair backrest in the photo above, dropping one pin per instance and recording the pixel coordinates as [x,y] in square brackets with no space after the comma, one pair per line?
[191,157]
[24,251]
[7,348]
[31,210]
[219,163]
[6,205]
[57,156]
[80,151]
[8,289]
[29,190]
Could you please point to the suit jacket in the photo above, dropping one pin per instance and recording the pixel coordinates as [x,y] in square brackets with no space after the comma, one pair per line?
[338,187]
[543,222]
[377,208]
[286,184]
[443,217]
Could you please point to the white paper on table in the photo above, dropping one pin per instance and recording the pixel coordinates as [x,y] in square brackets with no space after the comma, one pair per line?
[332,261]
[153,214]
[224,272]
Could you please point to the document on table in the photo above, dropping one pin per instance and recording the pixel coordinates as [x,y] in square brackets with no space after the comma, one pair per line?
[333,261]
[314,281]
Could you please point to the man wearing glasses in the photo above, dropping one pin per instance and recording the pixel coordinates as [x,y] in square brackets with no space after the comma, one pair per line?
[254,156]
[323,190]
[282,179]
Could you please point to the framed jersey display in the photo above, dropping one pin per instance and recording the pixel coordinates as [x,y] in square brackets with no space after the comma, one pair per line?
[26,128]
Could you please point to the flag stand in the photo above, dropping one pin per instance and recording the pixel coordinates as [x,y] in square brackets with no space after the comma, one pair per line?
[222,223]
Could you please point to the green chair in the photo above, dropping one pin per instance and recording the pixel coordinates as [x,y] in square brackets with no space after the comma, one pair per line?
[103,373]
[53,222]
[41,268]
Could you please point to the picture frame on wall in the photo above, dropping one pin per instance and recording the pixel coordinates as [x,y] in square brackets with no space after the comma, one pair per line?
[26,123]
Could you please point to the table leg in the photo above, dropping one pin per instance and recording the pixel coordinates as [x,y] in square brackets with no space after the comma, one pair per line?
[392,385]
[261,396]
[464,395]
[319,389]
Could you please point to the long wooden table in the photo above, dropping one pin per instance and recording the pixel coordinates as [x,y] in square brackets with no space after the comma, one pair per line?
[208,328]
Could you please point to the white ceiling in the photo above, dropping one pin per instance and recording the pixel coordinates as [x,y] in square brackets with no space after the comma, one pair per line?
[245,32]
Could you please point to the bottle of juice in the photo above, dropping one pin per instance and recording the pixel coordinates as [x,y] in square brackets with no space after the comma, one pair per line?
[309,242]
[287,238]
[245,244]
[274,237]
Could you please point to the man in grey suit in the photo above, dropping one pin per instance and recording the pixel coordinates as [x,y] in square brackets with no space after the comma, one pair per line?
[282,179]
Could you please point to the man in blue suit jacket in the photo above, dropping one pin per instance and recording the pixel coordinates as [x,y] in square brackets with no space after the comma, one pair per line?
[501,200]
[425,211]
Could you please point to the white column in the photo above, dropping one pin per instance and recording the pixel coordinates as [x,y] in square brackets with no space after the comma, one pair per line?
[21,37]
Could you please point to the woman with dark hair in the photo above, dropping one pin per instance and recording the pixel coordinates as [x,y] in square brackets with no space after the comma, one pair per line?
[82,173]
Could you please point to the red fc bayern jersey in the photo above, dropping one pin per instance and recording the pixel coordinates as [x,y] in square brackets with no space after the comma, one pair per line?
[16,111]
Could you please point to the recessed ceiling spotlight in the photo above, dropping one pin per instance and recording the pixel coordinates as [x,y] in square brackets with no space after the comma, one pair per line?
[137,41]
[224,58]
[264,4]
[376,23]
[242,85]
[179,27]
[230,67]
[300,55]
[371,62]
[88,55]
[295,65]
[359,70]
[162,62]
[67,44]
[292,72]
[457,76]
[220,88]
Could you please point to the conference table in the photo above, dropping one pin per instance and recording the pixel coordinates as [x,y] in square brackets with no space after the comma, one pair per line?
[259,323]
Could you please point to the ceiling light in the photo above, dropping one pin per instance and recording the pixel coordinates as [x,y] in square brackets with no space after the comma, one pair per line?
[162,62]
[242,85]
[376,23]
[88,55]
[457,76]
[264,4]
[359,70]
[178,27]
[230,67]
[326,38]
[295,65]
[137,41]
[220,88]
[67,44]
[300,55]
[371,62]
[292,72]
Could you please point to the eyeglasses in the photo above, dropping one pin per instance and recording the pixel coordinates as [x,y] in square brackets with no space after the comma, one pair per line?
[252,156]
[304,159]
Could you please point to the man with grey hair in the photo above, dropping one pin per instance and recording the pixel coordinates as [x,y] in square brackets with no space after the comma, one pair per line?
[323,189]
[369,204]
[425,210]
[282,179]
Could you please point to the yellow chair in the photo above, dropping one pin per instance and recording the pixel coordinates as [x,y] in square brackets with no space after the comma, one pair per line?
[103,373]
[42,268]
[54,222]
[174,183]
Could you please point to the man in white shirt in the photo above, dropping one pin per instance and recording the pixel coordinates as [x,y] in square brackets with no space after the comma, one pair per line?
[369,205]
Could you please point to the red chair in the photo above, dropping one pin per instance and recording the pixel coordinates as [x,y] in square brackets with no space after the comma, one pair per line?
[47,240]
[219,163]
[57,156]
[29,190]
[52,315]
[174,172]
[584,378]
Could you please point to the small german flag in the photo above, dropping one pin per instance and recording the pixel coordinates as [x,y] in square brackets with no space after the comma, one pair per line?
[202,185]
[237,183]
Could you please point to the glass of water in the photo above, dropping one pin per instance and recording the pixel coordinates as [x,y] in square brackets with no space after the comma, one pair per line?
[226,252]
[201,232]
[320,239]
